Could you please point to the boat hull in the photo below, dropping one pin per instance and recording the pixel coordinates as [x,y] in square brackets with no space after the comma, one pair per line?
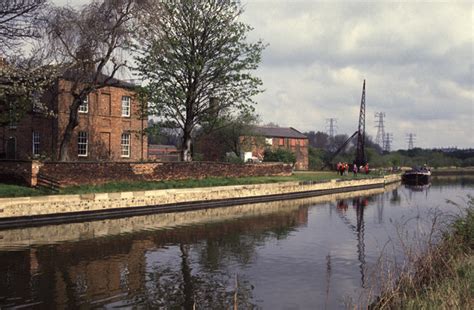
[416,178]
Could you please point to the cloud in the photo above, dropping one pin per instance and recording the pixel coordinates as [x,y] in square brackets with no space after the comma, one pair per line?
[416,56]
[417,59]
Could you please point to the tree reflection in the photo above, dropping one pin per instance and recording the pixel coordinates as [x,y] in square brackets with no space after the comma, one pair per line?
[184,267]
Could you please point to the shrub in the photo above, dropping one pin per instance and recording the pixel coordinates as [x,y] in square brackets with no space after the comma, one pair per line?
[279,155]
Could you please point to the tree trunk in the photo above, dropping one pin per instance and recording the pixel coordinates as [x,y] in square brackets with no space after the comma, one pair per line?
[67,136]
[186,147]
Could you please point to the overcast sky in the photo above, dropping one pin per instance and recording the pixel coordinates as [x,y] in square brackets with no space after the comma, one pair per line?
[416,57]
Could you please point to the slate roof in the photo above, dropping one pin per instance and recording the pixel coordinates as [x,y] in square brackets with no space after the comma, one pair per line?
[70,75]
[280,132]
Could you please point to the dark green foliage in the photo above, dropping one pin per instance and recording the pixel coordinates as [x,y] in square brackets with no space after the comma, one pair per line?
[403,158]
[230,134]
[279,155]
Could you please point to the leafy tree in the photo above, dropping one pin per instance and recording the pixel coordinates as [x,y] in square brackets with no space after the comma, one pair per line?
[88,44]
[157,133]
[338,141]
[279,155]
[229,134]
[198,63]
[318,139]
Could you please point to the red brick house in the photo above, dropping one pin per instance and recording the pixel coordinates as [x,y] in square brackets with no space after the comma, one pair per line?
[110,127]
[282,137]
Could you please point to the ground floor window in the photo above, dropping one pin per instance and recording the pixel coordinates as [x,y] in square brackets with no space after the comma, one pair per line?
[125,144]
[82,142]
[11,148]
[36,143]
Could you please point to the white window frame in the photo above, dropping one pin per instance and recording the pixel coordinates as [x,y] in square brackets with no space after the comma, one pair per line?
[126,106]
[36,144]
[82,143]
[125,141]
[84,106]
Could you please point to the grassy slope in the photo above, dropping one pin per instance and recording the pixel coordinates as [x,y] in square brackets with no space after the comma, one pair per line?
[444,277]
[17,191]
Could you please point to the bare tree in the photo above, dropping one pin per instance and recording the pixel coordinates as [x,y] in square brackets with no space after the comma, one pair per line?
[198,63]
[17,21]
[89,44]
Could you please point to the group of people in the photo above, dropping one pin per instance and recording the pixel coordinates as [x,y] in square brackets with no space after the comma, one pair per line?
[343,168]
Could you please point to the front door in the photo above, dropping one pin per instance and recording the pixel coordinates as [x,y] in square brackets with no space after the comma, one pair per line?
[11,148]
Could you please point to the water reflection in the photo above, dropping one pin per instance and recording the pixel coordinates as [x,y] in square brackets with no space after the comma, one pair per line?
[288,254]
[359,204]
[113,270]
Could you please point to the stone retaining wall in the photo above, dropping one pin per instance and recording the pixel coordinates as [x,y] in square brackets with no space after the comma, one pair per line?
[87,230]
[63,204]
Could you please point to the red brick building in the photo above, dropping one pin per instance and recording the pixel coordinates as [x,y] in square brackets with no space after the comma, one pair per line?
[110,127]
[282,137]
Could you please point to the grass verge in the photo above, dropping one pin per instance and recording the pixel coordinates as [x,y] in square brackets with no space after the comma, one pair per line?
[443,277]
[17,191]
[12,190]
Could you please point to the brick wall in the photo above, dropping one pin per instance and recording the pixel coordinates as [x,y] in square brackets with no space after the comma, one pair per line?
[101,172]
[299,147]
[23,172]
[104,124]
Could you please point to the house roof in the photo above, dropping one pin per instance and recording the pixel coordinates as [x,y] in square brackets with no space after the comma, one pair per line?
[281,132]
[70,75]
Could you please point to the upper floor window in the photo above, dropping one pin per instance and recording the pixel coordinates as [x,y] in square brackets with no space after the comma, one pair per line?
[36,143]
[281,141]
[125,145]
[12,116]
[126,106]
[84,107]
[82,143]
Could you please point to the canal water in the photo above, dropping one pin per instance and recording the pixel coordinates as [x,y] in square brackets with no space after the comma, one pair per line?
[315,253]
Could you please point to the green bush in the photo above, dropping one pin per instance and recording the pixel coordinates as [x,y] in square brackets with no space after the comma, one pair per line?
[279,155]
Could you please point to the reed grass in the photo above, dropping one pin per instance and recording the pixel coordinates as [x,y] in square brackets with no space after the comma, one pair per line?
[442,277]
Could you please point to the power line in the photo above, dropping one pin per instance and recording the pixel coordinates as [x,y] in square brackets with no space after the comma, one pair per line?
[388,142]
[411,137]
[379,139]
[331,126]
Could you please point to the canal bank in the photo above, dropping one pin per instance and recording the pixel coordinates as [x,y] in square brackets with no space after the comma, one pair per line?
[71,232]
[36,211]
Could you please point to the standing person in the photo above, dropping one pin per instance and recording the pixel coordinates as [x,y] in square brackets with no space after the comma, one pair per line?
[338,167]
[354,169]
[366,168]
[346,168]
